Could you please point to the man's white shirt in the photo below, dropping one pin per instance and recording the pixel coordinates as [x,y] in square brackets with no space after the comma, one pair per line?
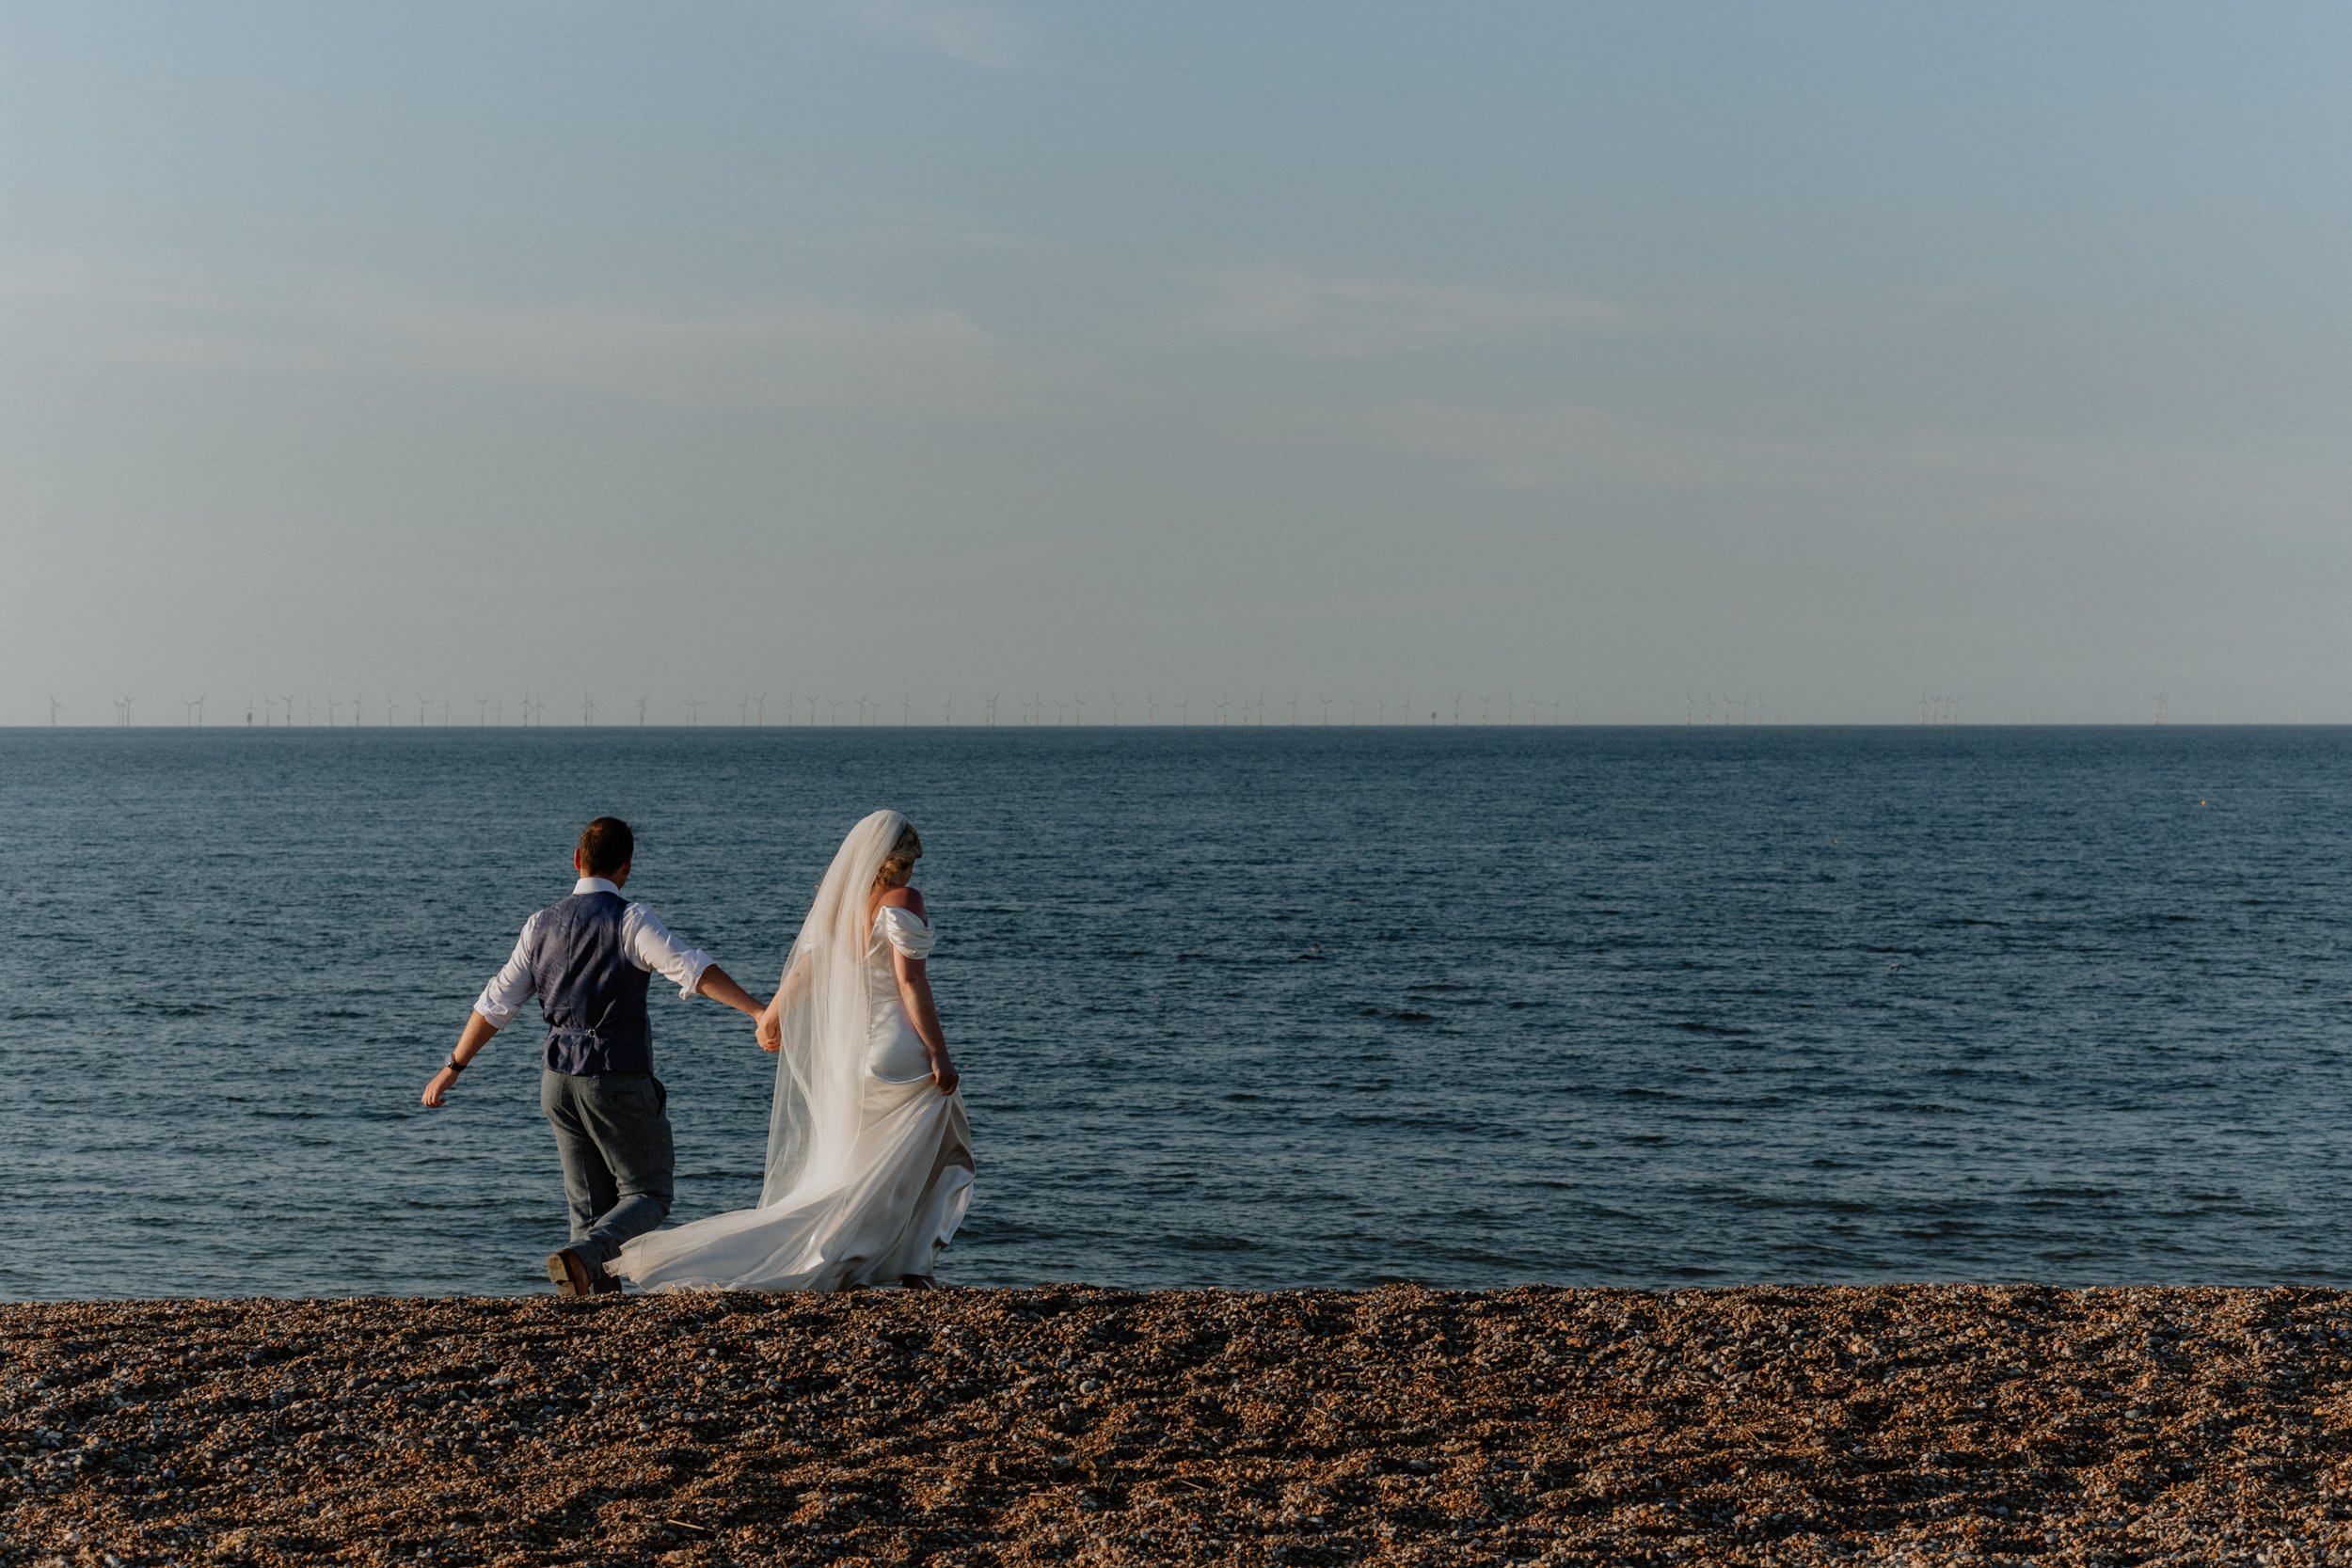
[650,945]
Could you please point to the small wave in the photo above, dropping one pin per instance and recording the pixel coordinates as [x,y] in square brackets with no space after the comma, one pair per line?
[1215,1244]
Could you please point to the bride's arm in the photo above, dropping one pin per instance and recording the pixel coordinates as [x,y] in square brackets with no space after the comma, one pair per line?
[914,989]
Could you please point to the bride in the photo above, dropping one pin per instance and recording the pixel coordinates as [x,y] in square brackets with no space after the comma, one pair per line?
[869,1158]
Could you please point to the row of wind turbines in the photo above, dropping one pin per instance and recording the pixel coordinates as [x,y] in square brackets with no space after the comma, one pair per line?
[818,709]
[1066,710]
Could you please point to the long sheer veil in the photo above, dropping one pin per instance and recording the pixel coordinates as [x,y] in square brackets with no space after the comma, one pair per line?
[820,1069]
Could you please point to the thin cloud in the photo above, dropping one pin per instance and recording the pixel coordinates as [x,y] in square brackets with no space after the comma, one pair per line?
[1954,474]
[793,352]
[975,34]
[1325,316]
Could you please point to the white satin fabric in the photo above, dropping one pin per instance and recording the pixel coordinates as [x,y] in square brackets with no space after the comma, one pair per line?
[867,1198]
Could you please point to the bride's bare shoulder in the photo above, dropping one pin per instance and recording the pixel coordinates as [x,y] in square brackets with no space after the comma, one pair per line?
[903,898]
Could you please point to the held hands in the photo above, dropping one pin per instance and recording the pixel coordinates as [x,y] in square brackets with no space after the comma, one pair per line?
[770,1033]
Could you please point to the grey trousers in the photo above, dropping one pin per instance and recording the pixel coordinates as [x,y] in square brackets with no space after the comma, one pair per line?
[613,1135]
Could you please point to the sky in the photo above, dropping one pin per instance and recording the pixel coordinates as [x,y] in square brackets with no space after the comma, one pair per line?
[1601,359]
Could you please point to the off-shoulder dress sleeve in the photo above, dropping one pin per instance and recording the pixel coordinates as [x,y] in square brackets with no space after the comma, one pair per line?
[904,932]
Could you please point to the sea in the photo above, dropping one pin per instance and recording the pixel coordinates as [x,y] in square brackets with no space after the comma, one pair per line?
[1235,1007]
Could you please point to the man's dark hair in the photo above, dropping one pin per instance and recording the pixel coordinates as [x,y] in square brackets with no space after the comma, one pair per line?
[606,846]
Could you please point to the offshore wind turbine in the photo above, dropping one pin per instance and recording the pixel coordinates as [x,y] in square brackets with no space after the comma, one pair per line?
[641,711]
[948,712]
[1114,710]
[693,711]
[482,717]
[759,709]
[424,709]
[587,708]
[56,707]
[193,706]
[1326,703]
[122,707]
[1150,709]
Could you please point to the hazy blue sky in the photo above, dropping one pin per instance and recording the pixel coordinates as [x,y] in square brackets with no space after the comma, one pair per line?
[1609,353]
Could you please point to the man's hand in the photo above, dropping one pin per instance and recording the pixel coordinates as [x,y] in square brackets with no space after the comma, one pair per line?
[770,1033]
[438,1088]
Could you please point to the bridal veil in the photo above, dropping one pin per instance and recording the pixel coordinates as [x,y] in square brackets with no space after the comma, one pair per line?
[821,1070]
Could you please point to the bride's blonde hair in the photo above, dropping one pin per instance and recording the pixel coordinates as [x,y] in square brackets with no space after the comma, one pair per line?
[898,866]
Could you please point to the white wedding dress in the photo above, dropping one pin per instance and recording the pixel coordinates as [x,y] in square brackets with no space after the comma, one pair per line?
[869,1166]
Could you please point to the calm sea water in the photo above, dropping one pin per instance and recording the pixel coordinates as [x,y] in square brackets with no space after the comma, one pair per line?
[1249,1008]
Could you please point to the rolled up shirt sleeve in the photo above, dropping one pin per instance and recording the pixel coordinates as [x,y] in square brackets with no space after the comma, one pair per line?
[654,949]
[511,987]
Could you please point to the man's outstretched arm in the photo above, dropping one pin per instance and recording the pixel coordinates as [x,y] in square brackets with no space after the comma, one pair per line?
[508,990]
[690,968]
[477,1035]
[717,985]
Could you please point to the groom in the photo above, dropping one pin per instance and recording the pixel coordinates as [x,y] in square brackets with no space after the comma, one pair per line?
[588,958]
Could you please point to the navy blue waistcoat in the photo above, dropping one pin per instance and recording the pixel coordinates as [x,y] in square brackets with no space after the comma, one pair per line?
[593,993]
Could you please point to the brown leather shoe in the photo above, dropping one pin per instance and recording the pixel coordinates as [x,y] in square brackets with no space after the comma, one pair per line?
[574,1275]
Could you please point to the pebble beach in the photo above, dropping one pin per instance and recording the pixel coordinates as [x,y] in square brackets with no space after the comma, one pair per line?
[1075,1425]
